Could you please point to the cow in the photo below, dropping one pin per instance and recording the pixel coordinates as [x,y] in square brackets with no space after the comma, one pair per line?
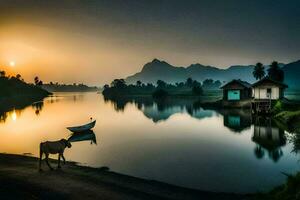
[53,147]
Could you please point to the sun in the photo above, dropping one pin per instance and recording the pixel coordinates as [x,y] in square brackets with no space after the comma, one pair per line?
[12,63]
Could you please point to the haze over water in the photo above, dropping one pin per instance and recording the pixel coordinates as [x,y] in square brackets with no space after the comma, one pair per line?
[176,144]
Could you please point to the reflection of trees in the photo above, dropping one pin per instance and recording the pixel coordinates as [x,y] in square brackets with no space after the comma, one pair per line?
[12,113]
[259,152]
[3,116]
[16,105]
[119,104]
[38,106]
[293,135]
[294,138]
[268,137]
[161,109]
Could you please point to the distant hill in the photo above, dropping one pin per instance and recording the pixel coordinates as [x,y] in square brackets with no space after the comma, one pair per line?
[161,70]
[292,74]
[68,88]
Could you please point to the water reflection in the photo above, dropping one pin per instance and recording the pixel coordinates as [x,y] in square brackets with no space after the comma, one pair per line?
[268,137]
[83,136]
[12,114]
[14,108]
[161,110]
[3,116]
[207,148]
[237,120]
[38,106]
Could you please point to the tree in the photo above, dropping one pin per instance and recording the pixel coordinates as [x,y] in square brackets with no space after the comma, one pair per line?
[160,93]
[197,90]
[150,85]
[259,71]
[217,84]
[106,86]
[196,84]
[275,73]
[18,76]
[189,82]
[139,83]
[118,83]
[161,84]
[207,84]
[2,73]
[36,80]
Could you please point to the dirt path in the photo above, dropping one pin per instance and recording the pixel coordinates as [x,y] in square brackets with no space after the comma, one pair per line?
[20,179]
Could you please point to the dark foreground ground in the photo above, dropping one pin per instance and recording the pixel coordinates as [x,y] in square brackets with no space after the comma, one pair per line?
[20,179]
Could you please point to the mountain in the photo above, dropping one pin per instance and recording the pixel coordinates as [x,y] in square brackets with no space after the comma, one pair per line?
[292,74]
[161,70]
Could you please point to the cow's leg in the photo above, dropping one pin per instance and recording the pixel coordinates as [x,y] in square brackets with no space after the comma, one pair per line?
[58,166]
[47,161]
[62,155]
[40,160]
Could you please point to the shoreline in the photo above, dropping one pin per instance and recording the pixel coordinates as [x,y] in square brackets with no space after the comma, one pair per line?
[19,174]
[19,101]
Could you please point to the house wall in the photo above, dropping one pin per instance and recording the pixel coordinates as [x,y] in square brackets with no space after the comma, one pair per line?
[261,93]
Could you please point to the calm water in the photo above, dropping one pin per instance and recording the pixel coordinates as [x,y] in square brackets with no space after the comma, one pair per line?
[176,141]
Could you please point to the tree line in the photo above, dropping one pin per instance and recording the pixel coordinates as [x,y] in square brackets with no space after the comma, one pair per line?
[274,72]
[119,87]
[12,86]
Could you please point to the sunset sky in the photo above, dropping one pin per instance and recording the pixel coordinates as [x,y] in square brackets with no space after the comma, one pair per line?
[96,41]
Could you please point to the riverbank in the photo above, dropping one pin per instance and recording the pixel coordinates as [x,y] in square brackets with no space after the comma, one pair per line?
[17,94]
[17,102]
[20,179]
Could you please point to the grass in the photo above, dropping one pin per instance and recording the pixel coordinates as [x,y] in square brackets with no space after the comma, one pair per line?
[288,191]
[288,115]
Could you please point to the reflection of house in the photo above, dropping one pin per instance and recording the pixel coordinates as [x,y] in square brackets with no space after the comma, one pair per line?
[268,137]
[236,90]
[237,120]
[268,89]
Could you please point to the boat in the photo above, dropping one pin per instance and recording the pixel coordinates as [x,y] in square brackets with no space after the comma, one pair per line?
[82,128]
[83,136]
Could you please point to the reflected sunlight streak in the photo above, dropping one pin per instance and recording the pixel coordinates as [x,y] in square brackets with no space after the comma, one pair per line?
[13,115]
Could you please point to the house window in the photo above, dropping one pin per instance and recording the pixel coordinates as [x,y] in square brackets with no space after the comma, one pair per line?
[233,95]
